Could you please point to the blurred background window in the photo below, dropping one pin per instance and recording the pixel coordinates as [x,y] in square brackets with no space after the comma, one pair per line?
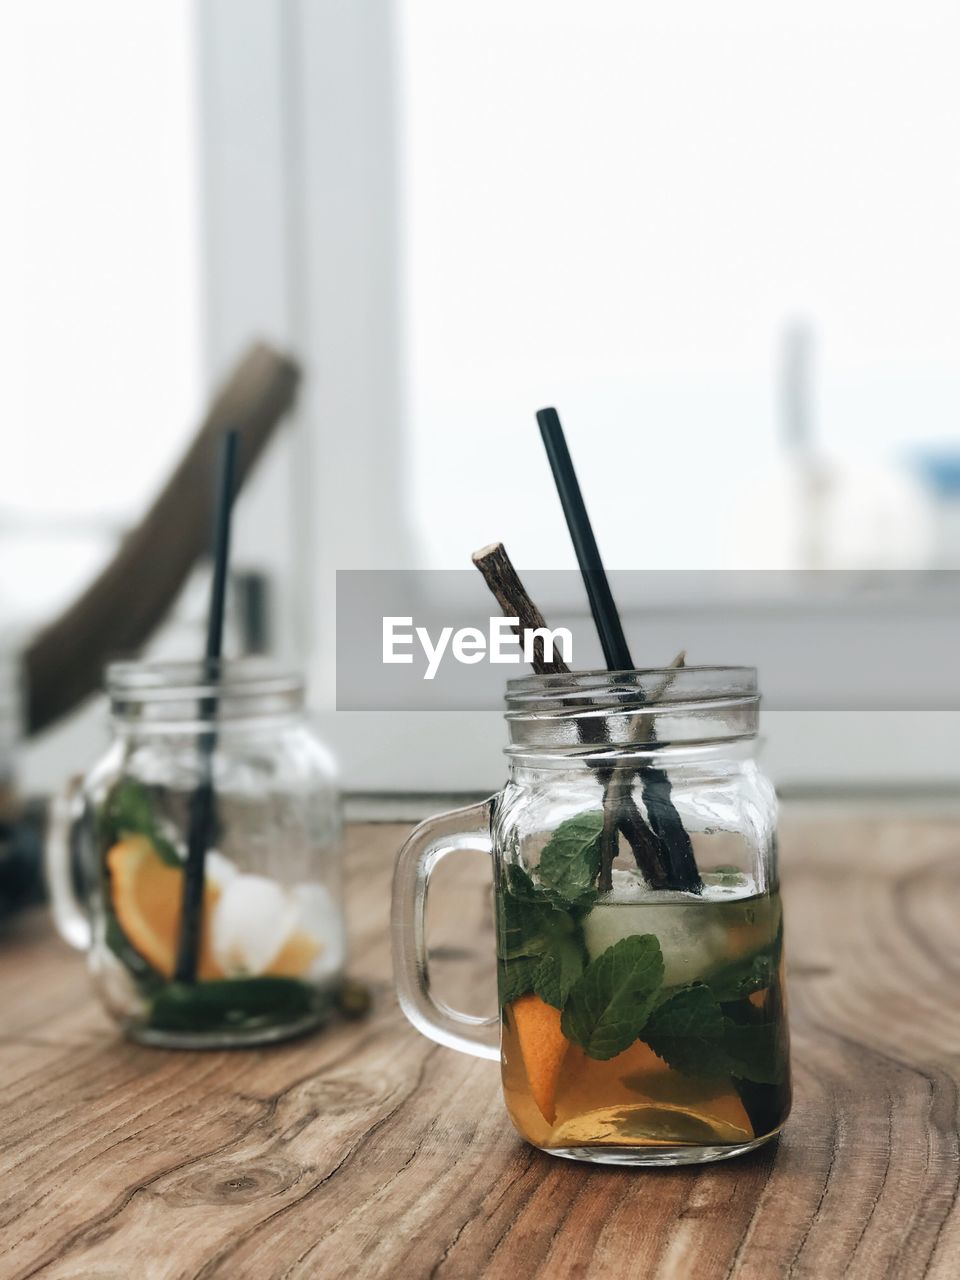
[101,307]
[721,241]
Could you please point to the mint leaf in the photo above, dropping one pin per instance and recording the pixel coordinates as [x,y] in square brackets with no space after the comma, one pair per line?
[128,810]
[143,974]
[687,1031]
[540,940]
[756,1051]
[570,861]
[518,884]
[692,1035]
[743,976]
[226,1003]
[540,943]
[515,978]
[527,928]
[559,970]
[608,1006]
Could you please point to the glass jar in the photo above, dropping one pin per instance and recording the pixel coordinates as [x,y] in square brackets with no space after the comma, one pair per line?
[17,856]
[639,926]
[221,756]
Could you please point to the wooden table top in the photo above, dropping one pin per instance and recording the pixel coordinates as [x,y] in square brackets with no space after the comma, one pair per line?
[367,1151]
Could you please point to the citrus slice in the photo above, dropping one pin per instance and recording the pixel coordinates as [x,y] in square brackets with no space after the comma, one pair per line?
[295,956]
[147,893]
[543,1046]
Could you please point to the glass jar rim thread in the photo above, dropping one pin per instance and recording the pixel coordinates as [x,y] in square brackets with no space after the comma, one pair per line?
[182,694]
[583,714]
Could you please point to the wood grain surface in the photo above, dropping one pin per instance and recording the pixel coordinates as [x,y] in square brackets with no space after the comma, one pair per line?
[367,1151]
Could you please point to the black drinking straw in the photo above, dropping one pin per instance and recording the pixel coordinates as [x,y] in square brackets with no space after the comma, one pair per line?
[616,653]
[201,807]
[662,816]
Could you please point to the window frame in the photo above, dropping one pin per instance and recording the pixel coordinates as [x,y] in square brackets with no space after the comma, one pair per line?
[301,208]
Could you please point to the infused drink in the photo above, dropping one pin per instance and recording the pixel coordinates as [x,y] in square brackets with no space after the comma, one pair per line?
[642,1018]
[639,931]
[223,766]
[269,953]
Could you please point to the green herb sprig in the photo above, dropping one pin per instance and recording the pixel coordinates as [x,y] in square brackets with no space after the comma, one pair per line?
[706,1028]
[128,811]
[541,942]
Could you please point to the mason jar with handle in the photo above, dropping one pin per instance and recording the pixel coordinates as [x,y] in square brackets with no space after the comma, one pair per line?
[272,938]
[638,919]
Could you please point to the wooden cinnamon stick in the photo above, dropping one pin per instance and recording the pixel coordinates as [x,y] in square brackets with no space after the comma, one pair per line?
[660,845]
[504,582]
[619,807]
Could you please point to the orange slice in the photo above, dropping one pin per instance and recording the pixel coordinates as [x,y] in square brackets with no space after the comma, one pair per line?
[147,894]
[295,956]
[543,1046]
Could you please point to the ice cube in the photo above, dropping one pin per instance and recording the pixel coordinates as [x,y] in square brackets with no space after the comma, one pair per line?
[693,939]
[252,920]
[218,869]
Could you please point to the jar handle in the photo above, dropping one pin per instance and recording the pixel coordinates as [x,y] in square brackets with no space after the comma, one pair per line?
[69,916]
[432,841]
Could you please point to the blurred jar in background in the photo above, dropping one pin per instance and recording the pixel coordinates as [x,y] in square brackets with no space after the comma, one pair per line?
[20,882]
[272,937]
[9,736]
[9,729]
